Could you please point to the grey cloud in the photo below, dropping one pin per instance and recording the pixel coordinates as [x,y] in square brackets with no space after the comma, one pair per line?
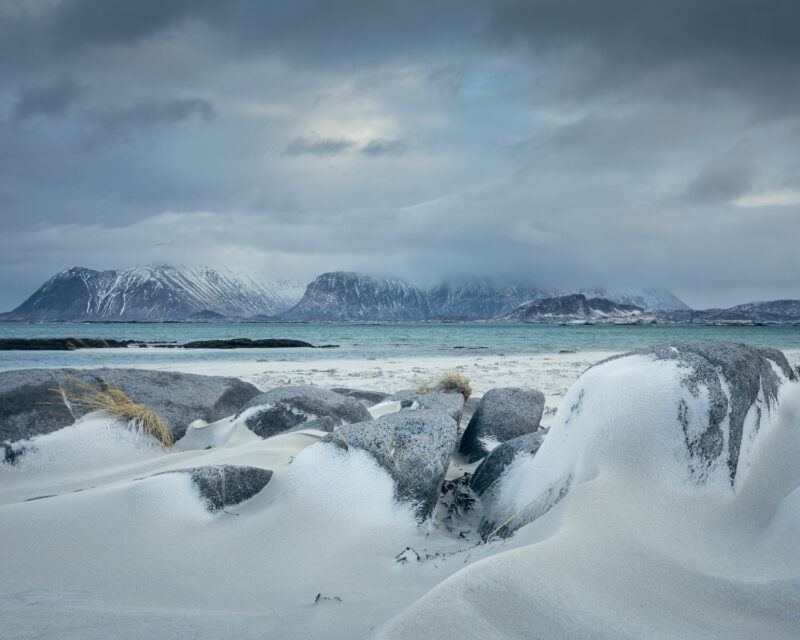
[381,147]
[316,146]
[50,99]
[81,22]
[723,180]
[676,48]
[112,122]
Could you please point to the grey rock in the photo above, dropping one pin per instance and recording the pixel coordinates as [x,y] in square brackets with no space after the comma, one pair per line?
[413,446]
[367,398]
[32,401]
[300,407]
[225,485]
[450,403]
[469,409]
[493,465]
[502,414]
[744,369]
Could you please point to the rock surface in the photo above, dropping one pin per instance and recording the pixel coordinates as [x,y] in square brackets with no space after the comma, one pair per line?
[300,407]
[32,402]
[450,403]
[738,378]
[502,414]
[225,485]
[493,465]
[367,398]
[413,446]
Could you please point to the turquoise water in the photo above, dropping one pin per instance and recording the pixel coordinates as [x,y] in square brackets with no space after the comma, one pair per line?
[369,340]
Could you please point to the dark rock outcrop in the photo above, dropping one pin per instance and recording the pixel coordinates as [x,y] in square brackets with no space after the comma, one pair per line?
[300,407]
[502,414]
[501,457]
[226,485]
[413,446]
[246,343]
[32,401]
[367,398]
[60,344]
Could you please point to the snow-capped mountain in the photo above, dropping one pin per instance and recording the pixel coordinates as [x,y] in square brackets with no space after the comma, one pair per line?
[479,299]
[652,299]
[774,311]
[341,295]
[574,308]
[156,292]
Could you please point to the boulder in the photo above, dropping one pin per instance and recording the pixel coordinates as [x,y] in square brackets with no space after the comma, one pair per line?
[300,407]
[413,446]
[367,398]
[469,409]
[32,401]
[683,416]
[738,379]
[225,485]
[501,415]
[494,464]
[451,403]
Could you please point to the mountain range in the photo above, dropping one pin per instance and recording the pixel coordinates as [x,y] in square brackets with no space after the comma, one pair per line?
[155,292]
[165,292]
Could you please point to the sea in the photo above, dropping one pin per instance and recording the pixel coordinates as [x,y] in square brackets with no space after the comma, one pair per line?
[368,341]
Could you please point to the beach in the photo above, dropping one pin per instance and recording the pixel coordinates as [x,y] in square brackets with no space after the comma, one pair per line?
[99,541]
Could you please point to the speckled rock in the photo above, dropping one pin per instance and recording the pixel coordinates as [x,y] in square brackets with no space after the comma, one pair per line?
[502,414]
[367,398]
[450,403]
[300,407]
[226,485]
[494,464]
[31,401]
[413,446]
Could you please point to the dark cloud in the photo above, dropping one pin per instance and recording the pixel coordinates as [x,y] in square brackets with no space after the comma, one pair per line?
[88,22]
[573,143]
[381,147]
[668,49]
[724,179]
[114,122]
[317,146]
[51,99]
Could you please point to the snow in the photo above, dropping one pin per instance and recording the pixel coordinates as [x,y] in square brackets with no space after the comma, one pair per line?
[638,547]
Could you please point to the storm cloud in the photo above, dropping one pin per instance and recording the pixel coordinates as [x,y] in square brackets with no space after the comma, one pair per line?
[616,143]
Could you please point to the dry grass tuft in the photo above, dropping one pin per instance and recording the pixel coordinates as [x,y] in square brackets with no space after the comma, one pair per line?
[115,401]
[450,382]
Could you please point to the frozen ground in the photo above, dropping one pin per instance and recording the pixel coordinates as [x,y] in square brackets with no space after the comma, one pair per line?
[94,546]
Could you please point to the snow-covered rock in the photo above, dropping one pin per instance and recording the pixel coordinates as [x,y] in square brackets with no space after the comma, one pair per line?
[682,415]
[494,464]
[502,414]
[226,485]
[300,407]
[413,446]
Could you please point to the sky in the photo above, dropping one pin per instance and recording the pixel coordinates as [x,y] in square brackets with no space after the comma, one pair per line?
[616,143]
